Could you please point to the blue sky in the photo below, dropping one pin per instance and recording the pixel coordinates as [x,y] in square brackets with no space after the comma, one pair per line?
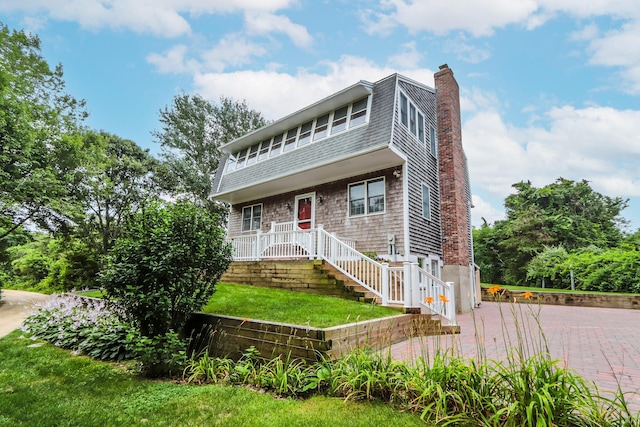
[549,88]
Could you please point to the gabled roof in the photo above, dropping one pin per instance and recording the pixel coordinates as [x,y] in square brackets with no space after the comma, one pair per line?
[345,96]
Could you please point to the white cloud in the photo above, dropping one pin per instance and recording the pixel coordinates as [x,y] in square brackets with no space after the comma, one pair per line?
[483,209]
[599,144]
[233,50]
[465,51]
[613,48]
[267,23]
[161,18]
[408,58]
[173,61]
[277,94]
[477,18]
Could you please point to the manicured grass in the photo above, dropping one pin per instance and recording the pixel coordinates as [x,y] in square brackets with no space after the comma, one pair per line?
[296,308]
[46,386]
[92,294]
[538,289]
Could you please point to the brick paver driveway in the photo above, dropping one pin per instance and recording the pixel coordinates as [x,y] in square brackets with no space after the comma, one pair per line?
[601,344]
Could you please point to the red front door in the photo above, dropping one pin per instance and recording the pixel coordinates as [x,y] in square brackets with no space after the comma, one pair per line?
[305,212]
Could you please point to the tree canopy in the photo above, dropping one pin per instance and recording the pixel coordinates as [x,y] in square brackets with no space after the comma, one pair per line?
[36,116]
[193,130]
[564,213]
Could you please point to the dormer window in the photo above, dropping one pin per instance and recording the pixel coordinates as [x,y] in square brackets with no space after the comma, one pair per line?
[305,134]
[339,120]
[276,148]
[358,112]
[290,142]
[322,125]
[334,122]
[253,154]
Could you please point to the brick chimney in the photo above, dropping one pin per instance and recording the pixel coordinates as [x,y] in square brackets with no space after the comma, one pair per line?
[455,192]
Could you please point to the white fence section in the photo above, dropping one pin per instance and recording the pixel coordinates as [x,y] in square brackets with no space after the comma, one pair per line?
[408,285]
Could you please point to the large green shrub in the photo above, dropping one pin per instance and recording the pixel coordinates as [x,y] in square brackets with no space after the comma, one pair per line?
[47,264]
[166,264]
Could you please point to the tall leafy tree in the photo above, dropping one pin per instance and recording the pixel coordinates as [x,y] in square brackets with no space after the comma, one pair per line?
[116,176]
[193,129]
[564,213]
[36,114]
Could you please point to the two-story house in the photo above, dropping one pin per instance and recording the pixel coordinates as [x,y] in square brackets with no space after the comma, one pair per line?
[380,168]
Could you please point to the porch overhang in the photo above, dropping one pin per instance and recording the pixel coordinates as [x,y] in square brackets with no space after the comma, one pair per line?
[371,161]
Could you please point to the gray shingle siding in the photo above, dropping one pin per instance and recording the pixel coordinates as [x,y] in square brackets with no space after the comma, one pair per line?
[218,175]
[426,235]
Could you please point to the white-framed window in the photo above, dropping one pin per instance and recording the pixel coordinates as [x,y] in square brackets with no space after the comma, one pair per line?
[412,118]
[339,122]
[322,126]
[341,119]
[305,134]
[290,141]
[253,154]
[404,114]
[276,147]
[433,140]
[231,163]
[367,197]
[264,149]
[426,202]
[358,112]
[251,217]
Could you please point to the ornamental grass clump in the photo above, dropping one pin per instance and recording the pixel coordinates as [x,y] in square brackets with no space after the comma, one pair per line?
[96,327]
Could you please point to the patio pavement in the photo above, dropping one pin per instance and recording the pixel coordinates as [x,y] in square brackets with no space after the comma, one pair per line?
[601,344]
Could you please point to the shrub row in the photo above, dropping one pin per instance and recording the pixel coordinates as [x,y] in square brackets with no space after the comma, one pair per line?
[446,390]
[594,269]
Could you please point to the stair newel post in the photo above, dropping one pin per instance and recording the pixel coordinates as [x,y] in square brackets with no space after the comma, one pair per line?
[384,282]
[257,245]
[320,241]
[313,249]
[451,305]
[408,283]
[273,227]
[415,285]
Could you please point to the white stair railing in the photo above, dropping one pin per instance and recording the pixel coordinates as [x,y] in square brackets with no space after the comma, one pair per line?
[368,273]
[408,285]
[436,296]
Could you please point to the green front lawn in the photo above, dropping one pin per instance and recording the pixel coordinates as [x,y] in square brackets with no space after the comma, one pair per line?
[298,308]
[47,386]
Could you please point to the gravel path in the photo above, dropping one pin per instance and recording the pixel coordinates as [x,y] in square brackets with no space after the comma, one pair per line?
[15,306]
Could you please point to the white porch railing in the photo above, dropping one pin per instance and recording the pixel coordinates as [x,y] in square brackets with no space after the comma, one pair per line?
[436,295]
[408,285]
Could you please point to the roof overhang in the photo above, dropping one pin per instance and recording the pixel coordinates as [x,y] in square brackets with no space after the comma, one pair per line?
[367,162]
[345,96]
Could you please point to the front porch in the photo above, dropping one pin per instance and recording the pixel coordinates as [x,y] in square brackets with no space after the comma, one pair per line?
[407,285]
